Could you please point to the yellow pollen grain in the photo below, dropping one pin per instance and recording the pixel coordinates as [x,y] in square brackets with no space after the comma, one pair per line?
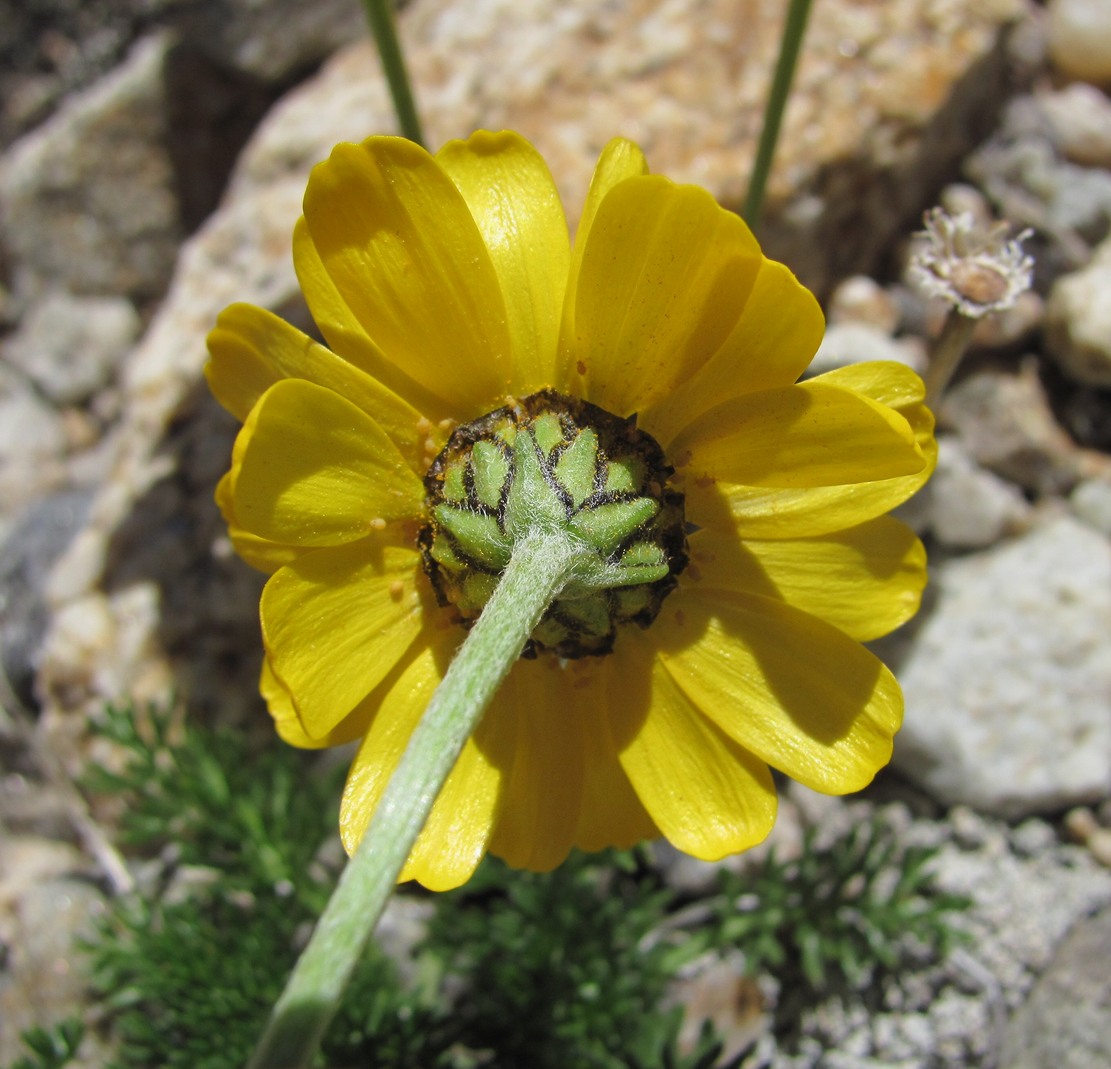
[397,590]
[377,524]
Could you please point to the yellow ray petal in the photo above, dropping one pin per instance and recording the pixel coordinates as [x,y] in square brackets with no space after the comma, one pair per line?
[797,692]
[259,553]
[457,833]
[279,703]
[510,192]
[885,381]
[398,241]
[866,580]
[543,796]
[347,338]
[252,349]
[772,343]
[759,512]
[709,796]
[620,159]
[336,621]
[454,837]
[664,277]
[311,469]
[612,813]
[806,435]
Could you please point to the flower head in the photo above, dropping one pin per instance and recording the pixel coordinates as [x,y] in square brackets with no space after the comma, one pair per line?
[638,390]
[976,268]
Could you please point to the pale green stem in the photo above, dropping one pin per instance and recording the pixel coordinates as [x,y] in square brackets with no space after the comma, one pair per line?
[540,566]
[946,354]
[790,43]
[379,14]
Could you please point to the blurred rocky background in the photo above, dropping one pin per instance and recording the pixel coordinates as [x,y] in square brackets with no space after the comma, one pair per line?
[152,158]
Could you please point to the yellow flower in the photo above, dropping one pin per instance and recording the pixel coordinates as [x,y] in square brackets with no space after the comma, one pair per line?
[750,506]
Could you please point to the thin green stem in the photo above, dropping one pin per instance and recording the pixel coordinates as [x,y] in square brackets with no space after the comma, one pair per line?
[379,14]
[790,43]
[540,566]
[946,354]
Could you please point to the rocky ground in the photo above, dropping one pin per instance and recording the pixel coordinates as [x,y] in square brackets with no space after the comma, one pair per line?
[154,155]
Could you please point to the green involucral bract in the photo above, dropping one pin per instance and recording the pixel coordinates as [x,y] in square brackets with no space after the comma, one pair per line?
[551,463]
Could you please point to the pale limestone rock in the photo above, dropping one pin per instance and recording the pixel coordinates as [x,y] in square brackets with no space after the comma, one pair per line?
[1080,39]
[1065,1023]
[855,343]
[882,97]
[71,347]
[1005,423]
[46,907]
[969,507]
[1090,501]
[1078,321]
[860,299]
[883,87]
[29,428]
[87,200]
[1008,679]
[1080,116]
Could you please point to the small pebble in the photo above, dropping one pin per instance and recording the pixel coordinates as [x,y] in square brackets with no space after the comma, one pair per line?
[862,300]
[1032,837]
[1100,846]
[1080,39]
[1090,501]
[1080,824]
[1080,116]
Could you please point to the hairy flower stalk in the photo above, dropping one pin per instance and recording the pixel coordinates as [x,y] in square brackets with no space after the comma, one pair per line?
[538,568]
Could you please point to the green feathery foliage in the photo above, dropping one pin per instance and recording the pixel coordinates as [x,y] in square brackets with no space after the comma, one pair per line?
[52,1048]
[831,916]
[514,969]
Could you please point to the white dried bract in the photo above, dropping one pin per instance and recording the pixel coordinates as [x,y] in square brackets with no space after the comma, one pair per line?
[976,268]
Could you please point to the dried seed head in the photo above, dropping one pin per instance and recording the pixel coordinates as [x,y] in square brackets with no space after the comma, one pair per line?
[976,269]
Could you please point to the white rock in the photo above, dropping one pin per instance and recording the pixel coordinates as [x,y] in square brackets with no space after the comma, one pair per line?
[1090,501]
[856,342]
[1078,321]
[1080,116]
[1006,424]
[43,980]
[1080,39]
[1065,1022]
[70,347]
[29,428]
[1008,678]
[88,199]
[969,507]
[570,76]
[860,299]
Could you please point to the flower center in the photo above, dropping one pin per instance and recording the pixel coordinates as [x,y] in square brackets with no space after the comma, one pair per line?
[550,463]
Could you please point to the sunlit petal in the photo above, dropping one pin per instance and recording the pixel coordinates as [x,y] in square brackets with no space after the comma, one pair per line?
[797,692]
[510,192]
